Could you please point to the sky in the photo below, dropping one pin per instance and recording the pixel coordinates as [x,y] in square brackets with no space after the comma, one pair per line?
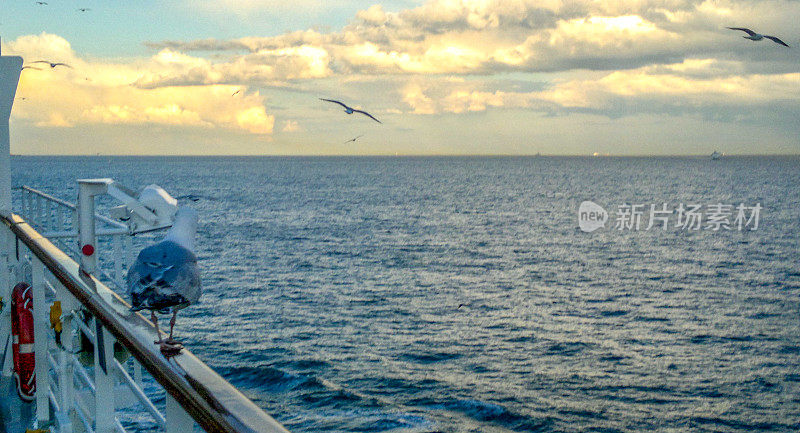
[445,77]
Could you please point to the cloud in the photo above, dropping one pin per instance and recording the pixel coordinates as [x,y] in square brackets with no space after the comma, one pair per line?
[670,87]
[290,126]
[707,87]
[265,66]
[97,92]
[491,36]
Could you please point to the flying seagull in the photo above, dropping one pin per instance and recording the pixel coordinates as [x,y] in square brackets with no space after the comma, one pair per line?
[234,93]
[83,9]
[42,3]
[753,36]
[52,65]
[350,110]
[353,139]
[165,277]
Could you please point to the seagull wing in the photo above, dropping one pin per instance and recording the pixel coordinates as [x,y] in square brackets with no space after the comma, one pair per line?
[186,281]
[776,40]
[146,275]
[41,61]
[748,31]
[31,67]
[367,114]
[353,139]
[61,64]
[164,275]
[335,102]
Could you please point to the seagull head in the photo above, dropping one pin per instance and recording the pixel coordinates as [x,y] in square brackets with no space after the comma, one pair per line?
[184,228]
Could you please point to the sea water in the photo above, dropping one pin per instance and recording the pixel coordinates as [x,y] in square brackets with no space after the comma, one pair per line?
[459,294]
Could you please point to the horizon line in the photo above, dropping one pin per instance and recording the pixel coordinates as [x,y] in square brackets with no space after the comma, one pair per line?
[417,155]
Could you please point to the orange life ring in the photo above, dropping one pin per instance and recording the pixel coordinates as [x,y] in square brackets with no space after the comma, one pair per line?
[22,335]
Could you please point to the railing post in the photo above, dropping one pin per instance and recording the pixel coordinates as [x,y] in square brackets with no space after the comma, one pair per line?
[6,251]
[119,258]
[103,380]
[48,215]
[178,421]
[39,211]
[40,314]
[60,218]
[23,199]
[137,373]
[65,375]
[87,240]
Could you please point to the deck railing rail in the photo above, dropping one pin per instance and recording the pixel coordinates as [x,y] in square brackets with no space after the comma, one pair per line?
[57,220]
[75,394]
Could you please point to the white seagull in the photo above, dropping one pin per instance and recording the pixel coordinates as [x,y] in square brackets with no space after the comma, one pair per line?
[53,65]
[350,110]
[353,139]
[753,36]
[165,277]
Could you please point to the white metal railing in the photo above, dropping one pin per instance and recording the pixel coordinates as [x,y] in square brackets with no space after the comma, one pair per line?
[126,374]
[70,390]
[57,220]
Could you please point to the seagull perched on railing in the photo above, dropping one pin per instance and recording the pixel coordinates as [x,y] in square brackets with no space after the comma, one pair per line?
[165,277]
[753,36]
[350,110]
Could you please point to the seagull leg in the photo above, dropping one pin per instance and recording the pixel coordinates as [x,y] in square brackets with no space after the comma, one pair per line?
[171,340]
[167,347]
[154,319]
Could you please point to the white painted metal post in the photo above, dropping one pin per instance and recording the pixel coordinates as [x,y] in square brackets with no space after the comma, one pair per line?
[87,240]
[65,375]
[23,201]
[7,252]
[178,421]
[39,212]
[48,219]
[119,257]
[40,337]
[10,67]
[103,381]
[60,218]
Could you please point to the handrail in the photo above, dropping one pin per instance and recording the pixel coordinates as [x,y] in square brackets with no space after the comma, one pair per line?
[209,399]
[71,206]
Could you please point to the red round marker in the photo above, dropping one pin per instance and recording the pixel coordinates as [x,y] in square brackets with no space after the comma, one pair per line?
[87,250]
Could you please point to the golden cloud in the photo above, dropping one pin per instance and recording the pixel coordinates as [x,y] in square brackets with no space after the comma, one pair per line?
[487,36]
[697,84]
[94,92]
